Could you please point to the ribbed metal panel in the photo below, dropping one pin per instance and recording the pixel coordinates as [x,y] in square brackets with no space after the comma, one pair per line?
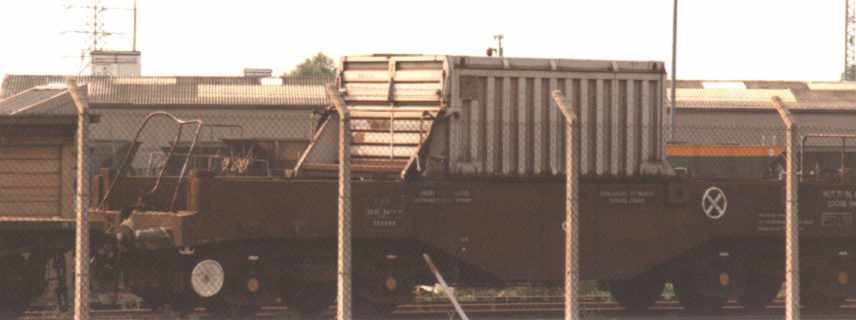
[502,120]
[509,126]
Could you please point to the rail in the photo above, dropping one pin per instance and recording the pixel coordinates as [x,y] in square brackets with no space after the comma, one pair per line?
[527,309]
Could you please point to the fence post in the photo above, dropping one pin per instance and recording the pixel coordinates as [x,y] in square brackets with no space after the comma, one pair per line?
[792,223]
[572,270]
[343,287]
[81,239]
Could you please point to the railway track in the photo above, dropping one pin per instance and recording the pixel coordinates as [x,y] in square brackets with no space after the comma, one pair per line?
[592,308]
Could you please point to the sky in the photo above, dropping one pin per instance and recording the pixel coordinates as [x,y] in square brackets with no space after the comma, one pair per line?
[717,39]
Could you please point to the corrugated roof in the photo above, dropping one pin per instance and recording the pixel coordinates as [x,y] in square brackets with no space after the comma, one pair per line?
[756,94]
[39,101]
[184,91]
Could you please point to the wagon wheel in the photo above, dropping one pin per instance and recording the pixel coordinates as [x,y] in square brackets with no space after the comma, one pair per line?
[814,300]
[638,293]
[688,290]
[308,299]
[380,293]
[209,283]
[153,297]
[813,296]
[760,288]
[219,308]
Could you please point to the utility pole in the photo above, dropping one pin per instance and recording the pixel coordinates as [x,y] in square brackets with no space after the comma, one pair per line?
[674,104]
[849,40]
[134,45]
[499,48]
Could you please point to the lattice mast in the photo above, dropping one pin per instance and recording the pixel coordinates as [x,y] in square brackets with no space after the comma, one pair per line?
[94,29]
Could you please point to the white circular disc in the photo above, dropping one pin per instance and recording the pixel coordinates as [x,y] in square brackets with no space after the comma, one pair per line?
[714,203]
[207,278]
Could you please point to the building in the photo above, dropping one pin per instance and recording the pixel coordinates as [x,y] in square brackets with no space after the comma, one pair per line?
[280,112]
[740,114]
[115,63]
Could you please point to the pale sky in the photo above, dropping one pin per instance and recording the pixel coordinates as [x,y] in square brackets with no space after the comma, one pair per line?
[718,39]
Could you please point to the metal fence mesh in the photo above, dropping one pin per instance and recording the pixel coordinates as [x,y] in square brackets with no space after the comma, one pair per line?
[486,201]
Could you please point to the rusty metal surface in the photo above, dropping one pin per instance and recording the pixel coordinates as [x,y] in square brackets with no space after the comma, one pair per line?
[826,210]
[509,126]
[185,90]
[620,221]
[493,116]
[49,224]
[38,101]
[755,95]
[393,103]
[509,229]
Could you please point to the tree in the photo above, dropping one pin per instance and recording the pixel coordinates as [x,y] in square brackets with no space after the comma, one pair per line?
[319,65]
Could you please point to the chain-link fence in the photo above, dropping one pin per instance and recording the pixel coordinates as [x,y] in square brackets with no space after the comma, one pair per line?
[206,203]
[37,211]
[231,209]
[758,152]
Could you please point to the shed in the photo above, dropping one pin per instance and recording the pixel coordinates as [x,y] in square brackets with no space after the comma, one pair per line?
[738,115]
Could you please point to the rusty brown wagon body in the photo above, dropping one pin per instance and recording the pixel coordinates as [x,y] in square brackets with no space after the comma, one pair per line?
[461,158]
[490,232]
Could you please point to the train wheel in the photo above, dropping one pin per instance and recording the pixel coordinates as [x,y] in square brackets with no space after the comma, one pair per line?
[379,293]
[219,308]
[813,296]
[690,293]
[22,279]
[153,297]
[308,299]
[813,300]
[638,293]
[820,285]
[227,289]
[760,288]
[208,282]
[759,292]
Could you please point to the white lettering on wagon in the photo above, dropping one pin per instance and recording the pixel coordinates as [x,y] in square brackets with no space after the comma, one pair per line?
[627,197]
[443,196]
[385,212]
[775,222]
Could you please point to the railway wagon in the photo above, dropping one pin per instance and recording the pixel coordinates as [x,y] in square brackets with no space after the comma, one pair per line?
[461,158]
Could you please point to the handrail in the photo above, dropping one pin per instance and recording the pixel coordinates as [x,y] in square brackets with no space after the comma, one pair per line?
[158,159]
[123,167]
[842,172]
